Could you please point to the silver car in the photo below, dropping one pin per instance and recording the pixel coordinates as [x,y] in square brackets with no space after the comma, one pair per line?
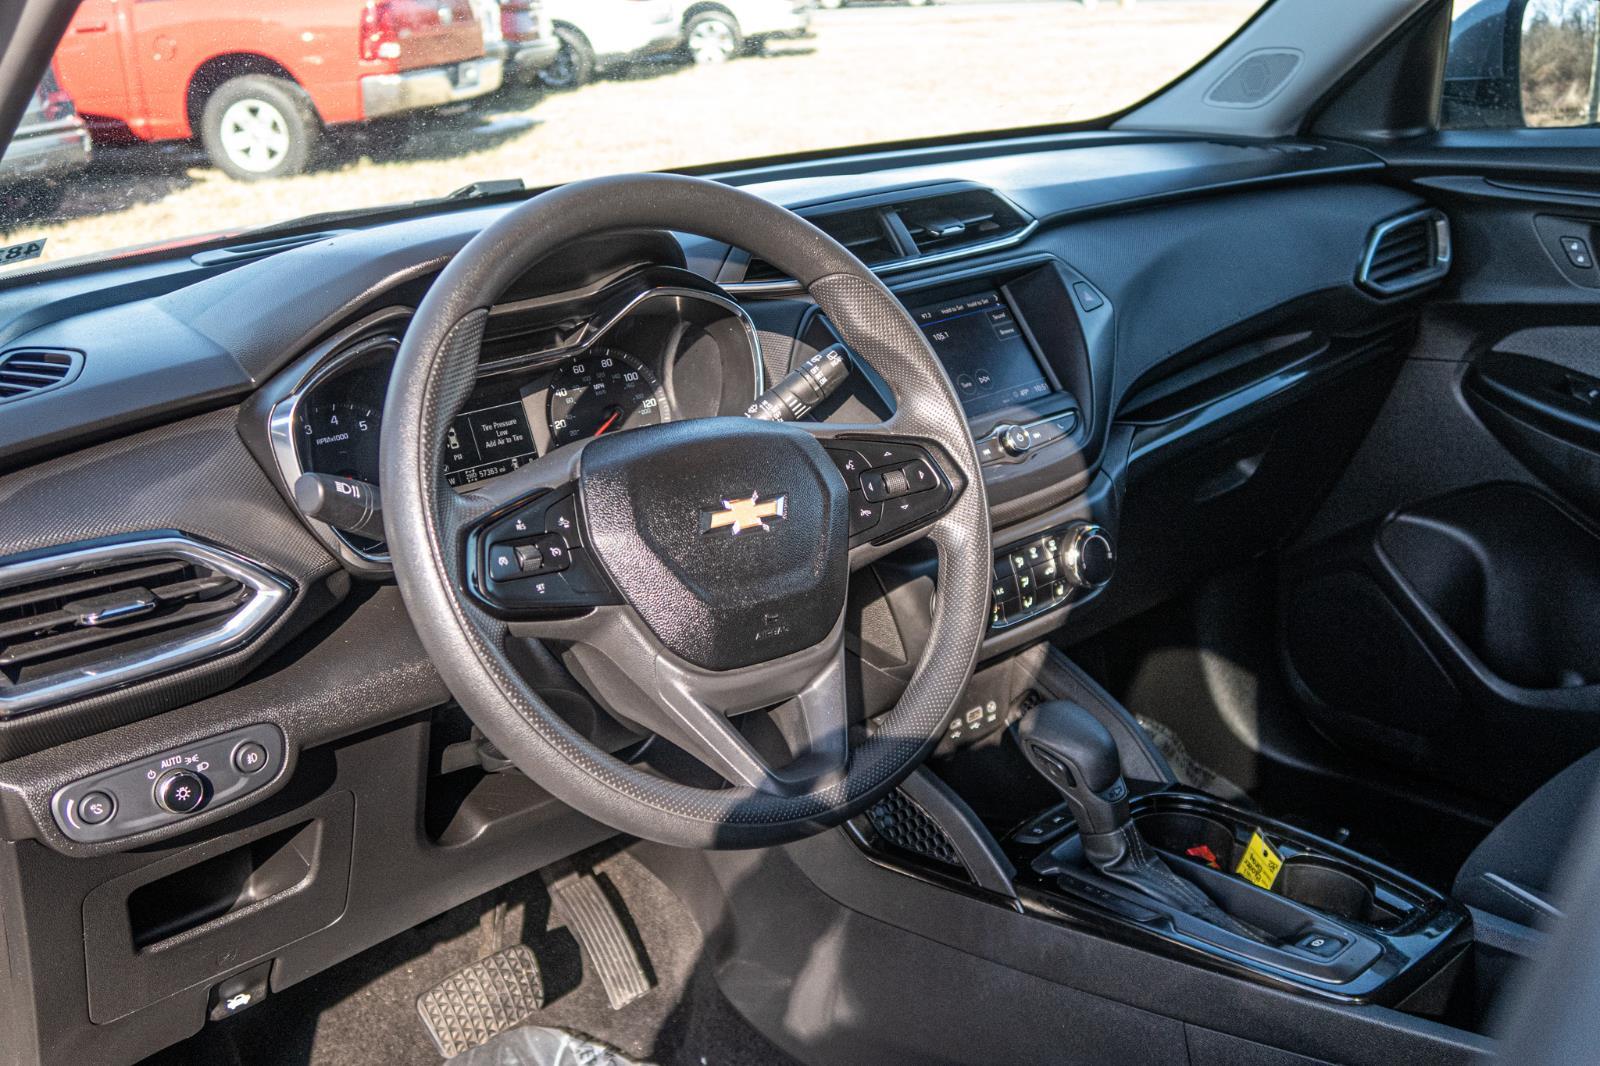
[50,142]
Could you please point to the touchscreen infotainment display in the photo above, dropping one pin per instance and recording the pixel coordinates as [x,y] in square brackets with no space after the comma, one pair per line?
[983,349]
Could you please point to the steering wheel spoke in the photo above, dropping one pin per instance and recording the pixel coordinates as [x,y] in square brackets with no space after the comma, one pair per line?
[698,715]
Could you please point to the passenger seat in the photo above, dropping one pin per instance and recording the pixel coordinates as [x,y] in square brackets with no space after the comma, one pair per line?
[1511,873]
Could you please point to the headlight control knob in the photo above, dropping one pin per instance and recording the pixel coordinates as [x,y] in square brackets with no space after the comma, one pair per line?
[180,791]
[1087,557]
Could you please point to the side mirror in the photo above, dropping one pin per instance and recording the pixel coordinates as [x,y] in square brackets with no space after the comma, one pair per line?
[1515,63]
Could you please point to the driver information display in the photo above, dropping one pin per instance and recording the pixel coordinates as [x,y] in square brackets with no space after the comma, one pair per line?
[486,443]
[982,347]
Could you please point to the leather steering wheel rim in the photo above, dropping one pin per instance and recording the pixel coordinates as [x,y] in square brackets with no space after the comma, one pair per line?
[435,370]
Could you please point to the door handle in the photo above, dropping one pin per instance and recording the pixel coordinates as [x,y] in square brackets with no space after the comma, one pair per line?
[92,27]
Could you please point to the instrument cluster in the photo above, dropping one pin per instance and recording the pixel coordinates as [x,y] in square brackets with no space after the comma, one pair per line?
[551,373]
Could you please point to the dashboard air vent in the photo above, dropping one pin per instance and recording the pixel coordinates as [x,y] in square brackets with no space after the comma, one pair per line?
[94,617]
[26,371]
[1406,252]
[866,232]
[896,231]
[959,220]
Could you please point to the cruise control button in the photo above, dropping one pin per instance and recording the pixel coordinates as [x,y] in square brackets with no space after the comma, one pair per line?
[553,554]
[864,514]
[530,560]
[527,522]
[94,808]
[1005,587]
[562,520]
[851,463]
[249,757]
[503,563]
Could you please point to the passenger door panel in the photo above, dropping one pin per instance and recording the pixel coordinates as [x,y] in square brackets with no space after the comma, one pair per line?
[1439,612]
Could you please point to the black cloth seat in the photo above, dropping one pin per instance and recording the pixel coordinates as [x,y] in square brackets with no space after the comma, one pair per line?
[1511,872]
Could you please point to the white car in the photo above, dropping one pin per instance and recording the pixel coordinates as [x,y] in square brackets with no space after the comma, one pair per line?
[596,34]
[714,31]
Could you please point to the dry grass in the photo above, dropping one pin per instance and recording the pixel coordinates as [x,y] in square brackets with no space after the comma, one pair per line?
[869,74]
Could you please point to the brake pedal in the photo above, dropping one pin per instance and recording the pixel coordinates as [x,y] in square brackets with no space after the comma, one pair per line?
[586,910]
[483,1000]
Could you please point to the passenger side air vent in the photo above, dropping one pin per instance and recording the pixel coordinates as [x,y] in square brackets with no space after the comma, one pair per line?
[26,371]
[90,618]
[1405,253]
[897,231]
[960,220]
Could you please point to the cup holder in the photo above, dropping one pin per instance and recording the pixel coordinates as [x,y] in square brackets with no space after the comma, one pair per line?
[1332,889]
[1177,834]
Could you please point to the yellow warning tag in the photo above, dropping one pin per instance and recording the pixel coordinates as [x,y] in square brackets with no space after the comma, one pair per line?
[1260,864]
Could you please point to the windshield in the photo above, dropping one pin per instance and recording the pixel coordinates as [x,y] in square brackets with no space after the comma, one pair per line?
[189,117]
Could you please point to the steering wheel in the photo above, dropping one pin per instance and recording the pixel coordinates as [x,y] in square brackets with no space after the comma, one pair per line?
[689,572]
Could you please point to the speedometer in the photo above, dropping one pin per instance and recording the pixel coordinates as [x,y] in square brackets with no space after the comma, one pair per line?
[602,391]
[340,439]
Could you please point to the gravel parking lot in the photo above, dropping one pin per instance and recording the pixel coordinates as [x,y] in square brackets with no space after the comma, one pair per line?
[869,73]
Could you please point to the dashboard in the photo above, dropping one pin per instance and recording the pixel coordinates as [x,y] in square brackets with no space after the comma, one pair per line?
[1103,388]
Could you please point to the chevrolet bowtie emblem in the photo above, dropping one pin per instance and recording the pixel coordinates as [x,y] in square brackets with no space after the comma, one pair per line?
[750,513]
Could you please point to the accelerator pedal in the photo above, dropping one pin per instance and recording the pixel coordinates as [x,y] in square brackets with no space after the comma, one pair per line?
[483,1000]
[586,910]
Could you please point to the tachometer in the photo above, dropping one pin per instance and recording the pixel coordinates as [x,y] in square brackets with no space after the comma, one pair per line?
[340,439]
[602,391]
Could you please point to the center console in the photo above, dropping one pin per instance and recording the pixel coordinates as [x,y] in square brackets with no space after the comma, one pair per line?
[1186,873]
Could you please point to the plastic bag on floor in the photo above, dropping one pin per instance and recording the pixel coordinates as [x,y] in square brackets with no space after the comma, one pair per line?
[538,1045]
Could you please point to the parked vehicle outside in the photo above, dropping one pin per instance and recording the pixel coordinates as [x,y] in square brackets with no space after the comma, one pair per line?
[595,35]
[257,84]
[51,142]
[715,31]
[531,44]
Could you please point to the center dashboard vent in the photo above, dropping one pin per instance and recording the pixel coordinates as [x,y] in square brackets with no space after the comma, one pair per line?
[26,371]
[93,617]
[1405,253]
[906,229]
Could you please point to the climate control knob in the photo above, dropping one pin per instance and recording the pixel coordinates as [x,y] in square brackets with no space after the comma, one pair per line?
[180,791]
[1087,557]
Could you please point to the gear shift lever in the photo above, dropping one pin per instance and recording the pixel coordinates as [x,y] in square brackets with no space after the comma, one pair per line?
[1078,755]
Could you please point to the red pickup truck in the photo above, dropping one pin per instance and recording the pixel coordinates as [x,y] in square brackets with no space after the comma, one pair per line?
[258,82]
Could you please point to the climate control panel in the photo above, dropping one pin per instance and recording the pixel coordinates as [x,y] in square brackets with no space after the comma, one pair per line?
[1042,574]
[169,786]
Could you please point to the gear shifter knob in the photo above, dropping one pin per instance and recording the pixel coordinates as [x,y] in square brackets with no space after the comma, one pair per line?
[1078,755]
